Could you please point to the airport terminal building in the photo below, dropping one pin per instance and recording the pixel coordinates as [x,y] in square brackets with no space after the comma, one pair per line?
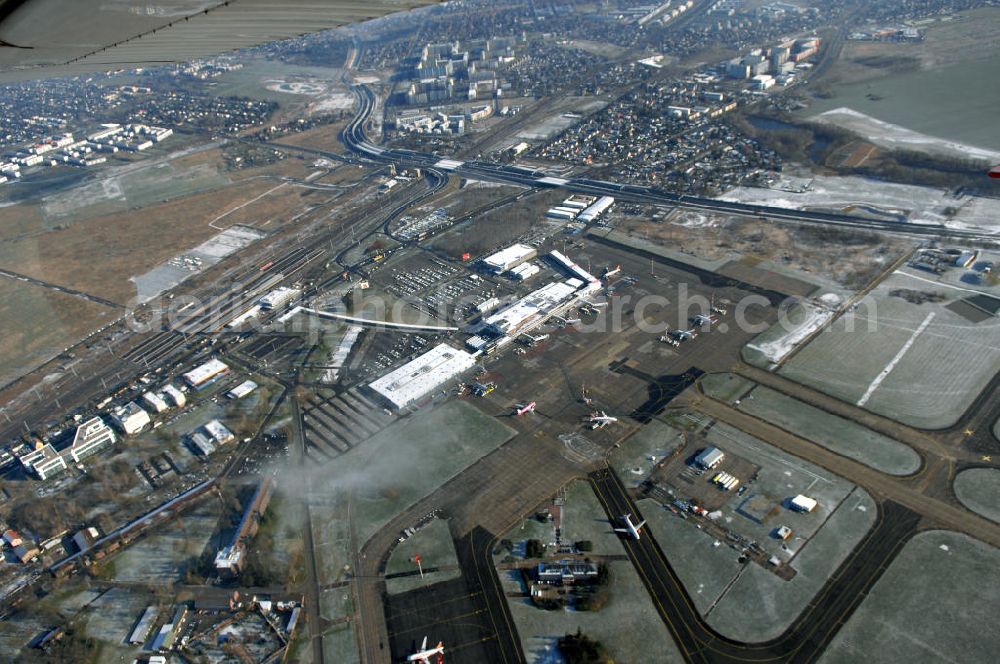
[422,375]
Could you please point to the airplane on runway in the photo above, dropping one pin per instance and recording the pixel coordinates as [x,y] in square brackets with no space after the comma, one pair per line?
[424,655]
[521,409]
[631,529]
[599,420]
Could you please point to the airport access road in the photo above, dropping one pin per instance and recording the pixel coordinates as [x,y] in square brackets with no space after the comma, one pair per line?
[811,632]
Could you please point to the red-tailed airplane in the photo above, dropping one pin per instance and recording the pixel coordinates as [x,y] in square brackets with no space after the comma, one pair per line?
[424,654]
[521,409]
[995,172]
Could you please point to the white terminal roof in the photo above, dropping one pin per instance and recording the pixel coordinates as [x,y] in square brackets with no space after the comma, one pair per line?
[200,374]
[535,306]
[422,375]
[506,258]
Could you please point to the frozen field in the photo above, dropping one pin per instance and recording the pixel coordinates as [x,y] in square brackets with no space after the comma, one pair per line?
[164,556]
[726,386]
[979,490]
[922,365]
[640,452]
[919,205]
[893,136]
[838,435]
[705,569]
[435,547]
[760,605]
[937,602]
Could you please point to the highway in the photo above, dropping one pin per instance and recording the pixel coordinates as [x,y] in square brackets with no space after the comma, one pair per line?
[355,139]
[811,632]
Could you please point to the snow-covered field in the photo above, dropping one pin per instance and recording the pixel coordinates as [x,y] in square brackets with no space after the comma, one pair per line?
[892,136]
[918,205]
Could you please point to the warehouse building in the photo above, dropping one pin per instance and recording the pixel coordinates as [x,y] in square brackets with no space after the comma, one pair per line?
[242,390]
[423,375]
[802,503]
[710,457]
[201,375]
[596,209]
[130,418]
[175,395]
[219,432]
[508,258]
[155,401]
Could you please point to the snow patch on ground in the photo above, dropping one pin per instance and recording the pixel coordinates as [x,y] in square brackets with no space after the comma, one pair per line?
[858,195]
[775,350]
[892,136]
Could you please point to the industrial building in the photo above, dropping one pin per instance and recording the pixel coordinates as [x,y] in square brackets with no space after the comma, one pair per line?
[201,375]
[175,395]
[145,624]
[710,457]
[802,503]
[219,432]
[596,209]
[524,271]
[155,401]
[420,376]
[201,444]
[229,559]
[242,390]
[508,258]
[84,539]
[130,418]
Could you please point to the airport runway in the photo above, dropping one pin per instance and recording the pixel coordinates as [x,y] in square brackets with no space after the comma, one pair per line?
[805,640]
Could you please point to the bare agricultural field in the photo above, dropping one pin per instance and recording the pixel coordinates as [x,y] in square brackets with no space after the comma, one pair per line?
[806,254]
[979,490]
[38,323]
[921,611]
[129,243]
[922,365]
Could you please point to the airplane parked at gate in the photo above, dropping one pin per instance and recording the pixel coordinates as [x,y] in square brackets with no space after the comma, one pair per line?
[424,654]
